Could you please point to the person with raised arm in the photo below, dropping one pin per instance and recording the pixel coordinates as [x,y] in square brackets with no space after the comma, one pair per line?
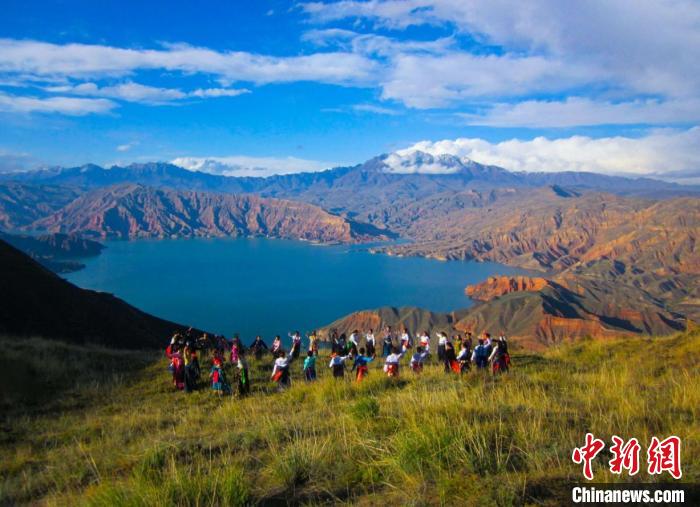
[418,359]
[354,342]
[258,347]
[360,364]
[406,342]
[296,343]
[337,365]
[280,369]
[391,364]
[499,358]
[313,342]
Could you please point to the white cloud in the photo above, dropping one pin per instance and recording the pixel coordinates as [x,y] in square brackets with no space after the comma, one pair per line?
[421,162]
[127,146]
[218,92]
[575,111]
[664,153]
[374,109]
[634,48]
[64,105]
[34,58]
[11,161]
[135,92]
[241,165]
[427,81]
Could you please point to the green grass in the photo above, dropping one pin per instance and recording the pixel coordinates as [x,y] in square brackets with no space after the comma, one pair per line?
[110,430]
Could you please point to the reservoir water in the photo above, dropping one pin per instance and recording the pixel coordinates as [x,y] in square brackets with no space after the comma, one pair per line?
[268,287]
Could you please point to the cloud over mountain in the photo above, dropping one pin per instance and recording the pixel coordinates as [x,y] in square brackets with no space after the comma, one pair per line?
[241,165]
[667,154]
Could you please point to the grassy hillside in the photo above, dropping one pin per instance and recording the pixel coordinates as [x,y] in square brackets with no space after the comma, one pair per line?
[123,437]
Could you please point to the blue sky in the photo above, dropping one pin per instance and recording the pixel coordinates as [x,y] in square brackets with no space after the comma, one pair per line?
[302,85]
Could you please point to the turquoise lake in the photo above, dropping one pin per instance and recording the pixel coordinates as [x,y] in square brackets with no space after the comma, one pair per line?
[268,287]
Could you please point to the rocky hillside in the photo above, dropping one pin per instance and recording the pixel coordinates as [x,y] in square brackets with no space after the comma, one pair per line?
[495,286]
[611,266]
[36,302]
[22,204]
[135,211]
[415,320]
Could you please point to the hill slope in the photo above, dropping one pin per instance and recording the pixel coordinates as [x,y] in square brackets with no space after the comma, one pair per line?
[36,302]
[429,439]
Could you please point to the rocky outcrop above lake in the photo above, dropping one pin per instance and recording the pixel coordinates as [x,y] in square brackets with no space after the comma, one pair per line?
[495,286]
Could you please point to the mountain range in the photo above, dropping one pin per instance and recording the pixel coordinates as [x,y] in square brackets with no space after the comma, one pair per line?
[616,255]
[131,211]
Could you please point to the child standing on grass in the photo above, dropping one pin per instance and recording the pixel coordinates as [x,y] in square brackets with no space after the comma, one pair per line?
[387,342]
[499,358]
[296,344]
[371,344]
[391,364]
[280,370]
[442,341]
[243,377]
[464,358]
[310,366]
[337,365]
[313,343]
[418,359]
[258,347]
[189,358]
[480,356]
[235,348]
[354,342]
[425,340]
[451,363]
[360,364]
[178,368]
[276,346]
[218,378]
[405,340]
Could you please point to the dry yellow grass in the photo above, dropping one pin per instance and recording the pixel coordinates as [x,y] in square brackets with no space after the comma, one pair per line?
[122,436]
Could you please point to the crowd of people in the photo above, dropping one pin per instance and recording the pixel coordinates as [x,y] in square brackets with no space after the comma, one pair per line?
[457,354]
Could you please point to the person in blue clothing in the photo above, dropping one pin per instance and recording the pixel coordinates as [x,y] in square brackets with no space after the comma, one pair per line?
[337,365]
[480,356]
[387,342]
[360,364]
[310,366]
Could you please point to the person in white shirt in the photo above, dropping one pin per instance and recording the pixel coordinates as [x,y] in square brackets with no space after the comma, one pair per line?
[442,341]
[405,340]
[391,364]
[280,370]
[418,359]
[425,340]
[464,359]
[337,364]
[370,344]
[354,341]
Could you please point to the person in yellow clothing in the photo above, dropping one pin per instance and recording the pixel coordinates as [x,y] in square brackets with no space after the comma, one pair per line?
[313,343]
